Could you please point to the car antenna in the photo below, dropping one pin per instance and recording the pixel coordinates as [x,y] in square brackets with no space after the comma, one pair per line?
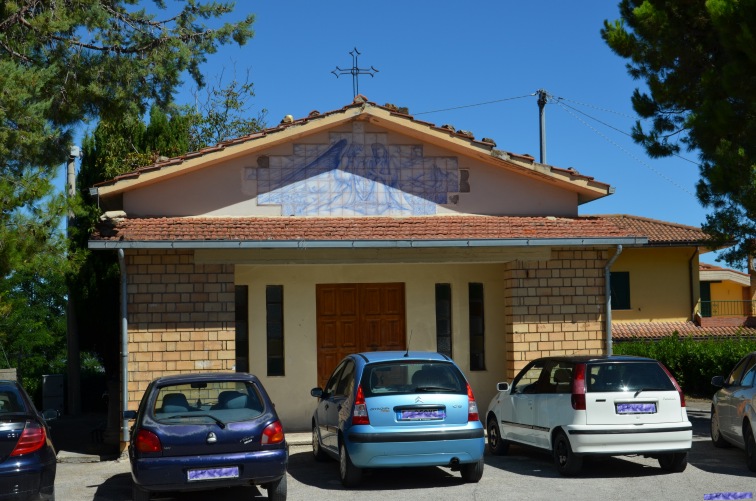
[406,354]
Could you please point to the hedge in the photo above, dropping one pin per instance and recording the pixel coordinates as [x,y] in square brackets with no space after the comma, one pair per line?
[693,362]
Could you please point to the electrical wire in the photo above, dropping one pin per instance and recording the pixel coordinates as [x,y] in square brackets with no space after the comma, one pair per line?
[473,105]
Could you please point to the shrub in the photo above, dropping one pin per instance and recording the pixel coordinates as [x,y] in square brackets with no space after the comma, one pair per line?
[692,362]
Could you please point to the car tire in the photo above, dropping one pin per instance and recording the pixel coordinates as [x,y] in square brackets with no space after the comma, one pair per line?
[277,490]
[750,448]
[317,450]
[567,462]
[349,473]
[472,472]
[139,494]
[496,444]
[716,434]
[675,462]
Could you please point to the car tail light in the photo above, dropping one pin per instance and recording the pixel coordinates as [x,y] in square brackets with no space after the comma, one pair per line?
[472,407]
[273,433]
[146,441]
[32,439]
[360,415]
[677,386]
[578,388]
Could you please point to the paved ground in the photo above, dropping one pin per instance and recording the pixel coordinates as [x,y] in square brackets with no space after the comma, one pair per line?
[523,474]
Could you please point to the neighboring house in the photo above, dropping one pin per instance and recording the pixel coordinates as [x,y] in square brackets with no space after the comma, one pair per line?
[661,289]
[366,229]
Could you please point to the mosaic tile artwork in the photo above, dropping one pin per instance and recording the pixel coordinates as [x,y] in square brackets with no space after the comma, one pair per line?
[356,174]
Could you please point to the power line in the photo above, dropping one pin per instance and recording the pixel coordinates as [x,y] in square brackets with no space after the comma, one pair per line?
[473,105]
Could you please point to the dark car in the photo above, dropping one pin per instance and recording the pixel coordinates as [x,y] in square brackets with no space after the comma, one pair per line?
[27,455]
[398,409]
[207,431]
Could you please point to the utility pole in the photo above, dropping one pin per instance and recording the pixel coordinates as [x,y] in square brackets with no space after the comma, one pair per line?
[542,99]
[72,334]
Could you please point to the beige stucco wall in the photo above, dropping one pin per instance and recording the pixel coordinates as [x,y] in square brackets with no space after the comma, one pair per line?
[662,286]
[227,188]
[292,391]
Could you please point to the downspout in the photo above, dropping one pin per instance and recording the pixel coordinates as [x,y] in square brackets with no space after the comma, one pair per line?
[608,295]
[692,289]
[124,349]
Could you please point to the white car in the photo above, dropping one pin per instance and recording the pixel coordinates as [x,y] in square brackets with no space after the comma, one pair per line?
[733,412]
[573,406]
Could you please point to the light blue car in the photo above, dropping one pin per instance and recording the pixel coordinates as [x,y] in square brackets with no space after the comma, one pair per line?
[398,409]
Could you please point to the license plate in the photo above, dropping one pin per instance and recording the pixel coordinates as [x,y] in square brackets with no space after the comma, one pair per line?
[637,408]
[421,415]
[213,473]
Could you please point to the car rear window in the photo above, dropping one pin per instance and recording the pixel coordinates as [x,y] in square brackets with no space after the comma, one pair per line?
[11,401]
[399,378]
[627,376]
[227,401]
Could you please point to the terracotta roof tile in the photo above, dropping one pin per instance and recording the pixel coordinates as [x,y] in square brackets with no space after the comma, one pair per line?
[355,228]
[657,330]
[659,233]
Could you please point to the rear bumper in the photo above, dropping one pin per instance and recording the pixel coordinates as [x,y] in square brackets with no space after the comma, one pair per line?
[170,473]
[416,448]
[641,439]
[33,482]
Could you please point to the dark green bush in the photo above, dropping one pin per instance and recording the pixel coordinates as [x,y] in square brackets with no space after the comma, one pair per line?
[692,362]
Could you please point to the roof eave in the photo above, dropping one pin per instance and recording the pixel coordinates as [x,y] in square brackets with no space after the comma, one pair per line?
[361,244]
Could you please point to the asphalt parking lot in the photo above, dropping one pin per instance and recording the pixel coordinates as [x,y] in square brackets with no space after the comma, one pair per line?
[523,474]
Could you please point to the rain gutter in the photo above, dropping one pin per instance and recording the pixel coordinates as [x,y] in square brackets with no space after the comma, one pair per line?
[359,244]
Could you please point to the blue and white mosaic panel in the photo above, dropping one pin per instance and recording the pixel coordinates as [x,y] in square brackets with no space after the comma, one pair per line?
[356,174]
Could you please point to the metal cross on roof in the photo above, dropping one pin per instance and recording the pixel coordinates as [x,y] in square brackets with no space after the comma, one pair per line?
[355,71]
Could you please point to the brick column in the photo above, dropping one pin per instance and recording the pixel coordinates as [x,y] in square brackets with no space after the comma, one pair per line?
[555,307]
[180,315]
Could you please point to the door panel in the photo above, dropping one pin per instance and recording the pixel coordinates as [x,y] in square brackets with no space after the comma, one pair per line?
[357,317]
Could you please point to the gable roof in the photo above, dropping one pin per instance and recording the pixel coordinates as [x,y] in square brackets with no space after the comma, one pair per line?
[419,231]
[388,117]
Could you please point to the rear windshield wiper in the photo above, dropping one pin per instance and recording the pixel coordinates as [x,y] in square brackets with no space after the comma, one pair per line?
[638,392]
[220,423]
[435,388]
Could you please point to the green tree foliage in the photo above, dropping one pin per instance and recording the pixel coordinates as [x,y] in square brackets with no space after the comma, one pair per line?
[63,64]
[68,61]
[698,61]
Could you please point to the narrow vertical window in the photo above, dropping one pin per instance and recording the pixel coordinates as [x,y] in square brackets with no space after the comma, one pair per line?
[275,329]
[443,319]
[477,327]
[241,321]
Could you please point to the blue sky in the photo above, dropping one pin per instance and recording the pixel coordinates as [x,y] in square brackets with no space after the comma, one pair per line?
[444,59]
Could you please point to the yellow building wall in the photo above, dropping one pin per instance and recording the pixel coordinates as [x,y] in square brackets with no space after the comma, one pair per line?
[662,286]
[727,291]
[291,392]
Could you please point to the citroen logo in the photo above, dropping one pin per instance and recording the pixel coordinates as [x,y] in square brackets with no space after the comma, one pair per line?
[418,400]
[211,438]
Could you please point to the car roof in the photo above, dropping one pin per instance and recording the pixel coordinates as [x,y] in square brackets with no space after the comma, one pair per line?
[598,358]
[205,376]
[386,356]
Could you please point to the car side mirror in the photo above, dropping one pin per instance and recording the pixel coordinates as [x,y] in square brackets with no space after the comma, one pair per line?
[717,382]
[502,386]
[317,392]
[50,414]
[129,414]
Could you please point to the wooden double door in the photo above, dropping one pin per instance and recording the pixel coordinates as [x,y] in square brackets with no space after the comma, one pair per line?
[357,317]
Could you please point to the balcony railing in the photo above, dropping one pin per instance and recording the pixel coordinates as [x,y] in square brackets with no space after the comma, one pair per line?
[727,308]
